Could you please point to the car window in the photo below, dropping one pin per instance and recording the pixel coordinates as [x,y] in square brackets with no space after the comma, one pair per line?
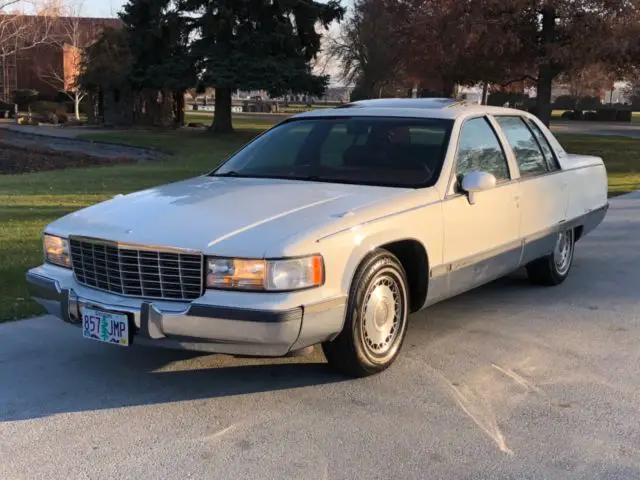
[388,151]
[549,155]
[424,135]
[479,150]
[338,141]
[530,158]
[281,150]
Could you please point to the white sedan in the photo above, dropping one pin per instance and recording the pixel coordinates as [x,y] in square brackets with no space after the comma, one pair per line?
[330,228]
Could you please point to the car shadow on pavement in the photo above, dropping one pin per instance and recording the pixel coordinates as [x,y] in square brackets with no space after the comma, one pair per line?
[97,378]
[46,368]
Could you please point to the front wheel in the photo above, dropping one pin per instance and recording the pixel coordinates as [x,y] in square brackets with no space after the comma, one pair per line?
[376,318]
[554,268]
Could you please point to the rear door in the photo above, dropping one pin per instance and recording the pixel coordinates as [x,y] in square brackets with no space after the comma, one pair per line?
[544,192]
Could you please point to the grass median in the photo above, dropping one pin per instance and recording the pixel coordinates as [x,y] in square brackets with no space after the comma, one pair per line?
[30,201]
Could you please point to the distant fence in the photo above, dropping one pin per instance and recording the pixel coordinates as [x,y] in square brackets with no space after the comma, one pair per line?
[264,106]
[211,108]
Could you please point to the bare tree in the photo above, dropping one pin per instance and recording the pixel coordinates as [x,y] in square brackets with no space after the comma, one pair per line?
[367,49]
[23,26]
[71,39]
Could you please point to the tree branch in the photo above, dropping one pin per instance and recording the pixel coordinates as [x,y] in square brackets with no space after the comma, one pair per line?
[521,79]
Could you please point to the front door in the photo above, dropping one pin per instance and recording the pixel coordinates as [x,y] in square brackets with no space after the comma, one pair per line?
[481,240]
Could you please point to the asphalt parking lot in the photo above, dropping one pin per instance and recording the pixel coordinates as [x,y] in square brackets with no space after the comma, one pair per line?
[508,381]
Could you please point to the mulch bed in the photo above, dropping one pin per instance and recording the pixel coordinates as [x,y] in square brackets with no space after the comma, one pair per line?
[28,160]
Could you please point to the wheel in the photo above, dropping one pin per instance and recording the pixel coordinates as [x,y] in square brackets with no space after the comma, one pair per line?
[554,268]
[376,318]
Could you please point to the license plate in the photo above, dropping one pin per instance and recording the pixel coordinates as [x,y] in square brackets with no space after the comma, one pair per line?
[108,327]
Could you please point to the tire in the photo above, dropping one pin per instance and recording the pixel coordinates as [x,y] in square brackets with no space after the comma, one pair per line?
[554,269]
[374,330]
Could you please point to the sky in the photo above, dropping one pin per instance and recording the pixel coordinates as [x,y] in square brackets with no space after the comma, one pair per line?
[101,8]
[109,8]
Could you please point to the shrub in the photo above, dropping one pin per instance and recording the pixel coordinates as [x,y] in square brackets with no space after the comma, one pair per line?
[43,106]
[50,117]
[572,115]
[606,114]
[60,97]
[24,98]
[590,116]
[588,103]
[565,102]
[60,110]
[62,117]
[624,115]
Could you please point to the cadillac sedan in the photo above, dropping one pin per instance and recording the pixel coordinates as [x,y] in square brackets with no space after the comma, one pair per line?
[328,229]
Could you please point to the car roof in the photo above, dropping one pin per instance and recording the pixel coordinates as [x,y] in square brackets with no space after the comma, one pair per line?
[403,103]
[444,108]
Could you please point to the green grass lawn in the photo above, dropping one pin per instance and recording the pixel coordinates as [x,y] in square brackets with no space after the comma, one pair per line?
[253,122]
[557,115]
[29,201]
[621,156]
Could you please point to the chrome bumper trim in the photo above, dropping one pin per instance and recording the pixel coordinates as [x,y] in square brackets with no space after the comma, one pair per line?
[244,314]
[201,327]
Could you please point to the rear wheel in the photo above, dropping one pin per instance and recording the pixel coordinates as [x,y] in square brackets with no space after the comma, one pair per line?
[554,268]
[376,319]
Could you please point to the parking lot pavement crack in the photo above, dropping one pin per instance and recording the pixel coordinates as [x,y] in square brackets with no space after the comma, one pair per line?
[516,378]
[224,431]
[477,408]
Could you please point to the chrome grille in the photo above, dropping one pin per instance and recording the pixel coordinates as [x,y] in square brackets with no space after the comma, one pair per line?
[137,272]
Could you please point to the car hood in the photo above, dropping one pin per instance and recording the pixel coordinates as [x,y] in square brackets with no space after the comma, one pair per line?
[220,215]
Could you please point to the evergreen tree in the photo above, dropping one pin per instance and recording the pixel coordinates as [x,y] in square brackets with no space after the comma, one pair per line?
[258,44]
[162,65]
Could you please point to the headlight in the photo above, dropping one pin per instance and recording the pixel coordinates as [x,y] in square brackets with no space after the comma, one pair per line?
[56,251]
[271,275]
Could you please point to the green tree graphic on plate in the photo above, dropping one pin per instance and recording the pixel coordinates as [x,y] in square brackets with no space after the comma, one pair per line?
[104,331]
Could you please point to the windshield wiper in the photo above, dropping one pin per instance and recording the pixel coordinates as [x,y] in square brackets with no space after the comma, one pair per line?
[230,173]
[288,176]
[309,178]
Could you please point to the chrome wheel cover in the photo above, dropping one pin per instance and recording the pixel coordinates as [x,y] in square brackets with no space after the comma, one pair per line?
[563,252]
[383,315]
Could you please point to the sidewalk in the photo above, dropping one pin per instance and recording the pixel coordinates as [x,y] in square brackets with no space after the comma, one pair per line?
[48,130]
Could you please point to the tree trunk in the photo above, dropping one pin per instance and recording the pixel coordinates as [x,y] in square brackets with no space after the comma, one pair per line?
[178,105]
[448,88]
[485,93]
[545,69]
[101,117]
[543,98]
[222,115]
[76,105]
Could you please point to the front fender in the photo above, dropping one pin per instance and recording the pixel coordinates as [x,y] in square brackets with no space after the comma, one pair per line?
[363,245]
[353,246]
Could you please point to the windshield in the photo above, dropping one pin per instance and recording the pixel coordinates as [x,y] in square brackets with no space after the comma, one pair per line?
[400,152]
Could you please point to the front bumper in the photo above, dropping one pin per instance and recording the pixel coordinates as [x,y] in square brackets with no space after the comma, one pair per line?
[197,326]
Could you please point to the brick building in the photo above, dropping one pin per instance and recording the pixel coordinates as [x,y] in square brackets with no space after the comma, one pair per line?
[51,66]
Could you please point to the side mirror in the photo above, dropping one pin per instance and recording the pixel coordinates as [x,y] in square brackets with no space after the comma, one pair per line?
[474,182]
